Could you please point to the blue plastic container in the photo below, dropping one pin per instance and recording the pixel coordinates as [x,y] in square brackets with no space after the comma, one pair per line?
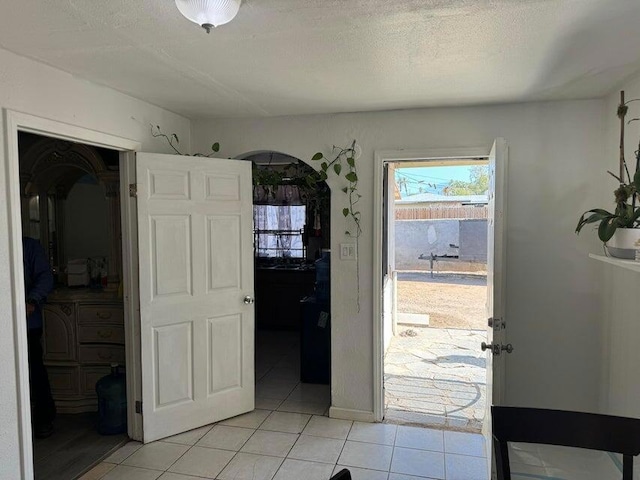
[323,285]
[112,403]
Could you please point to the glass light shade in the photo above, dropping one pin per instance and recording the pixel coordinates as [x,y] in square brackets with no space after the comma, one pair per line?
[209,12]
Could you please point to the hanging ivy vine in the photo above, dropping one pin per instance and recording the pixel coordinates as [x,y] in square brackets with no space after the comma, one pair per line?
[342,162]
[174,141]
[335,164]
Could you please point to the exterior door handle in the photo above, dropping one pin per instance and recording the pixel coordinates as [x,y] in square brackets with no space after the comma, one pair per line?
[248,300]
[496,349]
[507,348]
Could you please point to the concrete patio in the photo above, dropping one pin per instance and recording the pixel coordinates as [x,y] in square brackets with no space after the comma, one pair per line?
[436,378]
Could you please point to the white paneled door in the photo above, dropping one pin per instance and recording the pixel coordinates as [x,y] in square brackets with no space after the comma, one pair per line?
[196,291]
[496,274]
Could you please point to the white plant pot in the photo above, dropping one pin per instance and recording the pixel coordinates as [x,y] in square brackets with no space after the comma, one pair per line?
[624,243]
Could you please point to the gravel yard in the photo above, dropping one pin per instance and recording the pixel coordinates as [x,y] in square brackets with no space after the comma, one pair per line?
[452,301]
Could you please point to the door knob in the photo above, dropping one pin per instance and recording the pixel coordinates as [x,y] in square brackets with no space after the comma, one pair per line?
[248,300]
[495,349]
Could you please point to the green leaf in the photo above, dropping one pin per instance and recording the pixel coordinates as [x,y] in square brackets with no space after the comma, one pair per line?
[352,177]
[636,180]
[317,156]
[347,232]
[323,175]
[345,189]
[597,215]
[337,168]
[606,229]
[176,137]
[345,212]
[310,181]
[324,166]
[215,147]
[351,161]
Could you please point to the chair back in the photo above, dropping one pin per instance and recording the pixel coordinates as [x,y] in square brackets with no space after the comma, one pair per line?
[570,429]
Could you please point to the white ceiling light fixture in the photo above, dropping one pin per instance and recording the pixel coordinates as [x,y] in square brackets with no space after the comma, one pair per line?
[209,13]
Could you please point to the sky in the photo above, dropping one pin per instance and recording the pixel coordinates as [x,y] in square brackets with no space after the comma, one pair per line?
[431,179]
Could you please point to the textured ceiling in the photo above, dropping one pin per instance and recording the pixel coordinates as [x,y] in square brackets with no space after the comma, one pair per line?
[281,57]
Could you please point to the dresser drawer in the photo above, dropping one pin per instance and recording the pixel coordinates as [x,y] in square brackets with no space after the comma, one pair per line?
[104,333]
[59,339]
[89,376]
[101,354]
[92,314]
[64,381]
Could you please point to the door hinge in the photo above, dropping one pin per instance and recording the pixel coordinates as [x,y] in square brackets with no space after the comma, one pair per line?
[497,324]
[138,406]
[133,190]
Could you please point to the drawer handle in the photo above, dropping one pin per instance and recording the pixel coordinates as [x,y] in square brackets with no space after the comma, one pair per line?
[103,315]
[105,333]
[102,356]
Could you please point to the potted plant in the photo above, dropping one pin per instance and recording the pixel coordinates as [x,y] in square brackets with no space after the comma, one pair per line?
[620,230]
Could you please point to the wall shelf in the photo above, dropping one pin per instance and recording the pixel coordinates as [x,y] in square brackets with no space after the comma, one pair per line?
[628,264]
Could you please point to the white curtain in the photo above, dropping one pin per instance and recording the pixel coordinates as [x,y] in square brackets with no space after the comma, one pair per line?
[279,230]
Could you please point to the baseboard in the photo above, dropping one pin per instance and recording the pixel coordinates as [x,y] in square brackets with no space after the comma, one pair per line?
[350,414]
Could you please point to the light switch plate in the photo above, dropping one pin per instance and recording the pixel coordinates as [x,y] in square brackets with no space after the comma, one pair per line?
[348,251]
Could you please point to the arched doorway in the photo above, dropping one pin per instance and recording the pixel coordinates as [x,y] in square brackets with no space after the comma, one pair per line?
[292,265]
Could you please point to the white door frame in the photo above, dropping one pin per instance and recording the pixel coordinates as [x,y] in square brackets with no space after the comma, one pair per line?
[382,157]
[23,122]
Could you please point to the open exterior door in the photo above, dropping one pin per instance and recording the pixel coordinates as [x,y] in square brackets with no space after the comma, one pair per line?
[495,346]
[196,291]
[389,279]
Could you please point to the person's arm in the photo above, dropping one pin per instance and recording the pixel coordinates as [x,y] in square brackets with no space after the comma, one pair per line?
[41,276]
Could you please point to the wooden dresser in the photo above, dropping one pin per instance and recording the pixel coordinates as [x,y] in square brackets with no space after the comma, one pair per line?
[83,335]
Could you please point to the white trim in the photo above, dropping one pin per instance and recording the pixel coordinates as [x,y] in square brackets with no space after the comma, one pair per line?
[349,414]
[130,291]
[380,158]
[26,122]
[14,122]
[12,199]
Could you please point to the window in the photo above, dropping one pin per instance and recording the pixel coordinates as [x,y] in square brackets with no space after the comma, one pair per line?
[278,230]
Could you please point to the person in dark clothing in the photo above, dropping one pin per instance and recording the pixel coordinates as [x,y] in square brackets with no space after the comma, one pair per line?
[38,283]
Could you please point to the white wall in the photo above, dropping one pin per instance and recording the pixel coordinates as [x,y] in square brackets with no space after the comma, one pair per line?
[33,88]
[553,306]
[620,325]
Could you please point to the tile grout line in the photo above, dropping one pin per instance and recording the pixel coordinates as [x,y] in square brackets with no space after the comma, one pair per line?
[346,439]
[393,451]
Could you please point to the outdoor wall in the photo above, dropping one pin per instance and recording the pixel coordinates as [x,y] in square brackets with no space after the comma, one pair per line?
[621,288]
[473,241]
[37,89]
[415,238]
[424,237]
[554,293]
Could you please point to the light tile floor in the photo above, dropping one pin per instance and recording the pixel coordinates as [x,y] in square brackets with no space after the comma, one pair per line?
[436,379]
[289,436]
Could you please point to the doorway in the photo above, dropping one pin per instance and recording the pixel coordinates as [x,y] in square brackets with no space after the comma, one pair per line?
[495,347]
[76,384]
[70,213]
[292,264]
[434,371]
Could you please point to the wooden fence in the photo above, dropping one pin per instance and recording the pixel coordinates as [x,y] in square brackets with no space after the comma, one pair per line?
[441,212]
